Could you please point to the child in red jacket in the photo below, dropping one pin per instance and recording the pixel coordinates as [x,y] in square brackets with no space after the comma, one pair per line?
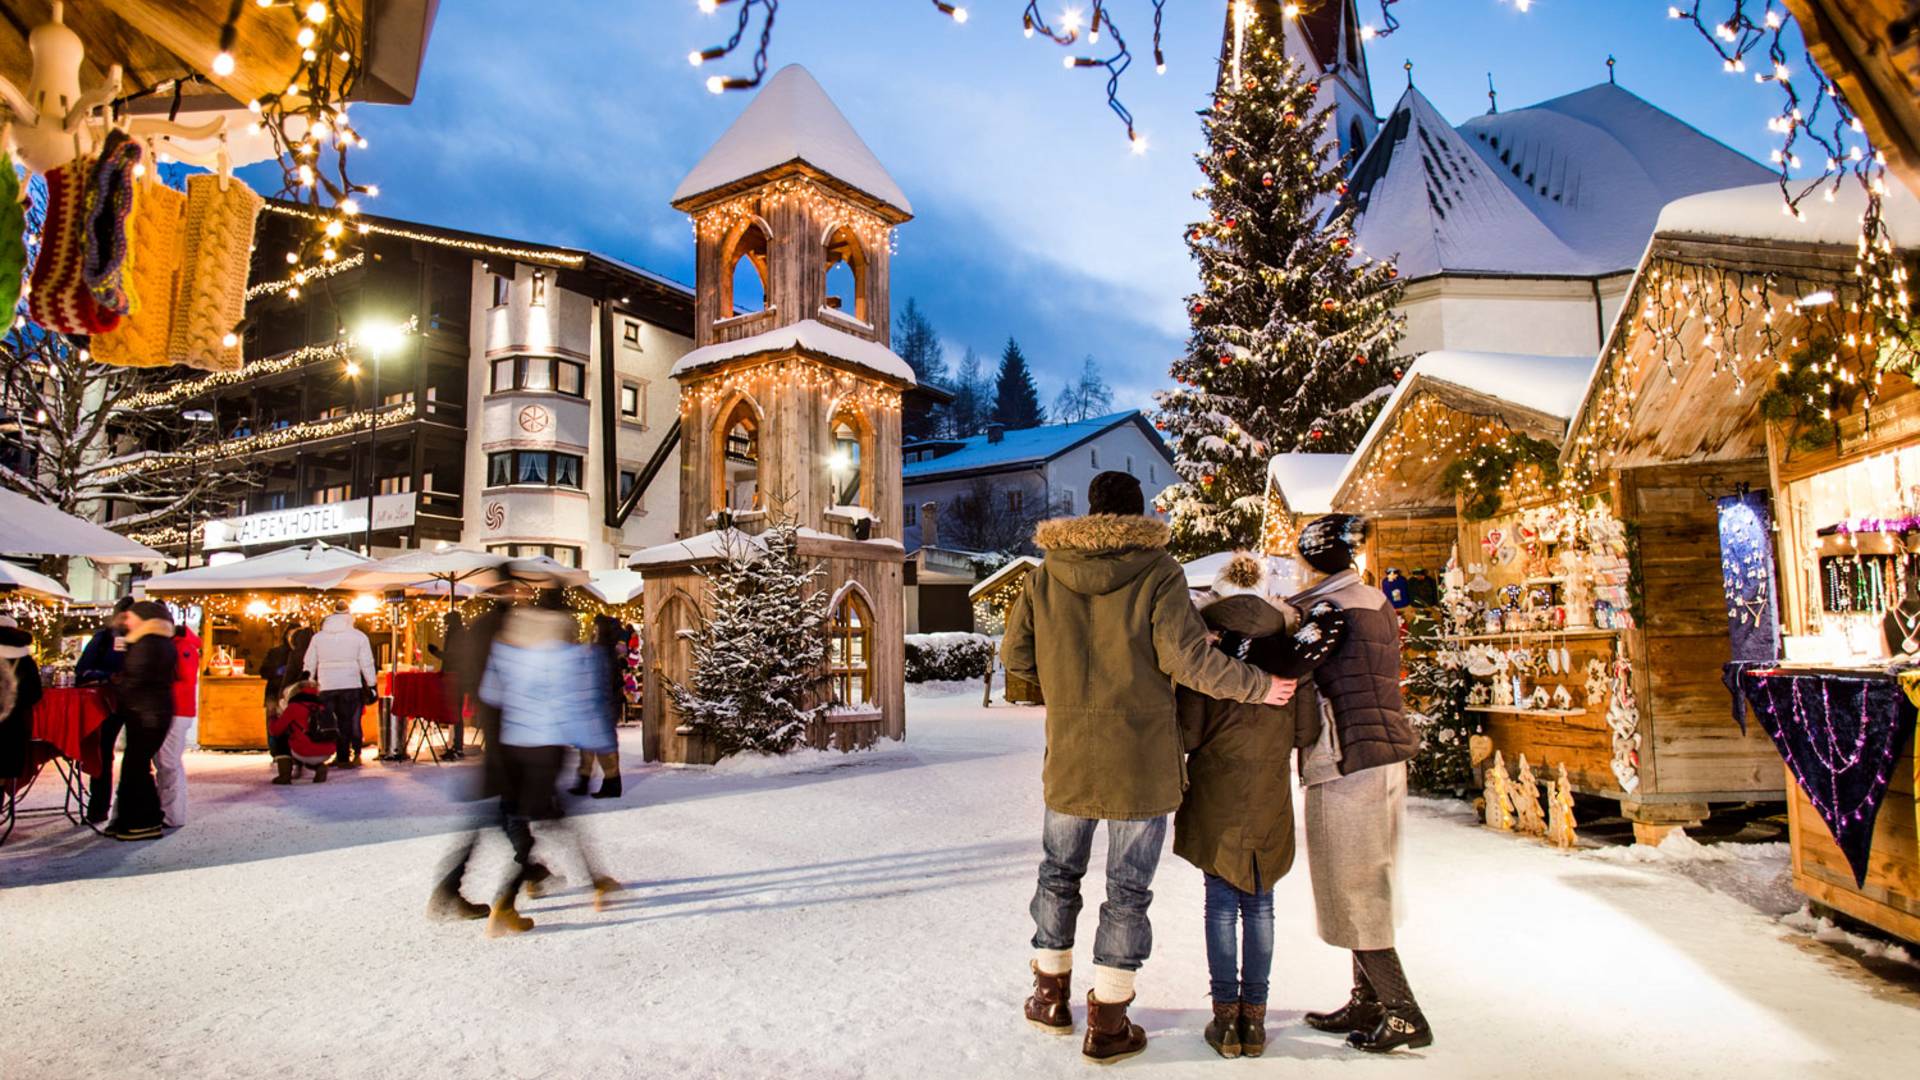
[292,734]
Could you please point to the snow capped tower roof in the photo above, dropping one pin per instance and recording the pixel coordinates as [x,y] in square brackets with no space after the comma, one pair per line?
[792,119]
[806,336]
[1581,180]
[1306,481]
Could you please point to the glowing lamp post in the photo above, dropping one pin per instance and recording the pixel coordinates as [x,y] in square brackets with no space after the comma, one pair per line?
[377,339]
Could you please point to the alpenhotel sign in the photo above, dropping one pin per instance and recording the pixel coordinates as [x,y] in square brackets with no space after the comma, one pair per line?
[311,522]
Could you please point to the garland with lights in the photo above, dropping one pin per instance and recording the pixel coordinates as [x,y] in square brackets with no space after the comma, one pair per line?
[818,379]
[1293,335]
[292,285]
[1808,394]
[1483,477]
[1031,23]
[552,256]
[346,424]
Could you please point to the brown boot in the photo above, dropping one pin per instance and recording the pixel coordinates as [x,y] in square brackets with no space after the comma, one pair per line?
[320,773]
[1111,1036]
[605,890]
[507,920]
[1223,1034]
[1047,1009]
[283,768]
[1253,1030]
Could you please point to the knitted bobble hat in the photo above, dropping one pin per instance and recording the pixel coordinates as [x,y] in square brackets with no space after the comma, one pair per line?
[1245,574]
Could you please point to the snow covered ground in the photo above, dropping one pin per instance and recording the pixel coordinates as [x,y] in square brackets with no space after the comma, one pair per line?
[859,916]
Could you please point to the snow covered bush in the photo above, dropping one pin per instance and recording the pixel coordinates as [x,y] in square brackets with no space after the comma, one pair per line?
[760,654]
[948,657]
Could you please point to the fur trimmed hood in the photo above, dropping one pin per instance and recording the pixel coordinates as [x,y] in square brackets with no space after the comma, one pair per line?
[1098,533]
[1101,553]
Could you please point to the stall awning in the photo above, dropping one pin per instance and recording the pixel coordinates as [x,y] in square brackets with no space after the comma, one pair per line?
[288,568]
[30,527]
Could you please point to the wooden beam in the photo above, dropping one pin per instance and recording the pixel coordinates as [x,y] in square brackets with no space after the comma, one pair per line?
[265,54]
[1871,50]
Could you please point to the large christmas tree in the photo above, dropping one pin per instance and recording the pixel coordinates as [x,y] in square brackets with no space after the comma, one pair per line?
[1293,336]
[760,655]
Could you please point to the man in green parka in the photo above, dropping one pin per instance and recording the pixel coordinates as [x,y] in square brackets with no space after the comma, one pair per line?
[1106,628]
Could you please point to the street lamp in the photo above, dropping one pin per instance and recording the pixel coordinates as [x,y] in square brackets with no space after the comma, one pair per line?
[378,339]
[193,416]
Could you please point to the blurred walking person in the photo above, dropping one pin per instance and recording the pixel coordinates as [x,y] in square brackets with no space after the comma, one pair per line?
[145,691]
[340,659]
[552,694]
[610,638]
[99,664]
[20,691]
[465,662]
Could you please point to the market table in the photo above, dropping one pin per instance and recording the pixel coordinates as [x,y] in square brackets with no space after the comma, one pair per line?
[1846,736]
[424,701]
[66,731]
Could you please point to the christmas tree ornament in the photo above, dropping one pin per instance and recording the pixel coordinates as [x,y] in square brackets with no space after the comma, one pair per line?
[1497,807]
[1528,816]
[1266,180]
[1560,821]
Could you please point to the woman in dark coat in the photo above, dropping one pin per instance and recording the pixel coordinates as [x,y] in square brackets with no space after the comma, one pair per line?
[17,668]
[144,688]
[1236,821]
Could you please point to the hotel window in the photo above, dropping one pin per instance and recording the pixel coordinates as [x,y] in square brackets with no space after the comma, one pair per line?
[334,494]
[533,468]
[630,402]
[632,333]
[1066,502]
[628,478]
[542,373]
[563,554]
[401,398]
[539,286]
[1153,474]
[396,485]
[502,287]
[850,650]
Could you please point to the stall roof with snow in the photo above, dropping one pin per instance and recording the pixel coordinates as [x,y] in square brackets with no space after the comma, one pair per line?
[1011,576]
[1305,483]
[1447,403]
[808,337]
[792,121]
[716,544]
[1566,188]
[1658,398]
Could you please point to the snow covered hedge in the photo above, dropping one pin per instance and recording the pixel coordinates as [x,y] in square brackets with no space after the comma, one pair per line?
[949,657]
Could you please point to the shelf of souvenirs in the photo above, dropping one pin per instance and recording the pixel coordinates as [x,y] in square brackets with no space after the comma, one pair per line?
[1524,710]
[1586,633]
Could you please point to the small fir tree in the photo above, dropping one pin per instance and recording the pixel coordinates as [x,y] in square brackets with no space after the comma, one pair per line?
[1085,398]
[972,398]
[1016,401]
[760,653]
[1293,336]
[915,339]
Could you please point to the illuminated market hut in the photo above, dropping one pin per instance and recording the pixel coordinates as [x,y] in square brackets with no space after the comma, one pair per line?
[790,404]
[1766,431]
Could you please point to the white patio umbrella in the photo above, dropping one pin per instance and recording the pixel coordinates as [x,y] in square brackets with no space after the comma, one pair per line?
[288,568]
[615,586]
[31,527]
[17,578]
[544,570]
[450,565]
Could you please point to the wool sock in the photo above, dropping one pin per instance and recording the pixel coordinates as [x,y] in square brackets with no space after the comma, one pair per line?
[1112,985]
[1053,961]
[1385,975]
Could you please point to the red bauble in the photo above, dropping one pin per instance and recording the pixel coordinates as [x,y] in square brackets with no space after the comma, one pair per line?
[1232,150]
[1313,88]
[1225,359]
[1266,180]
[1342,189]
[1361,360]
[1207,480]
[1393,271]
[1291,117]
[1329,304]
[1316,434]
[1198,307]
[1229,223]
[1249,83]
[1397,372]
[1340,242]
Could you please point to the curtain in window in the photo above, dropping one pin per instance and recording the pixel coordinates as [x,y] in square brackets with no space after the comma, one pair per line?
[535,468]
[566,470]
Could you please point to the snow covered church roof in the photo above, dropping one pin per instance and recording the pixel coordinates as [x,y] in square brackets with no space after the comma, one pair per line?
[792,119]
[1569,187]
[808,336]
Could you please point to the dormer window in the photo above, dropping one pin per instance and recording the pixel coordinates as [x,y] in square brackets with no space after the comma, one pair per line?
[539,286]
[502,289]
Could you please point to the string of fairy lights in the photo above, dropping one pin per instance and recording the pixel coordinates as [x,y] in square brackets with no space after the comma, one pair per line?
[1072,26]
[821,205]
[308,122]
[330,427]
[806,374]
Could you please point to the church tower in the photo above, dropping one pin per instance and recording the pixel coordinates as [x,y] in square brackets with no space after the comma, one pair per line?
[790,401]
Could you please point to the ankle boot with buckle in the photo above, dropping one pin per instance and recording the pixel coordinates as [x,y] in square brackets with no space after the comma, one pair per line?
[1223,1032]
[1111,1036]
[1401,1024]
[1047,1009]
[1360,1013]
[1253,1030]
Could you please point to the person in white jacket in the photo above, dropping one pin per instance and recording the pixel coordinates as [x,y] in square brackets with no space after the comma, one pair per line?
[341,660]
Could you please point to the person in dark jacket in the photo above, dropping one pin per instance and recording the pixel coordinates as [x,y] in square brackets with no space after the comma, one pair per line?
[610,638]
[100,662]
[1106,628]
[144,688]
[1356,777]
[1236,821]
[19,671]
[456,646]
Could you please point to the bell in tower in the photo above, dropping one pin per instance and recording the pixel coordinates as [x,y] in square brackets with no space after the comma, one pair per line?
[790,401]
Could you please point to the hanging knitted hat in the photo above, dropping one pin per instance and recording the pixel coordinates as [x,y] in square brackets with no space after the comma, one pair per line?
[13,237]
[59,299]
[213,275]
[156,242]
[109,201]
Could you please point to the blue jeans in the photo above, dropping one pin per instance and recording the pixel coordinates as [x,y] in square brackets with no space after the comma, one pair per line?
[1238,975]
[1125,936]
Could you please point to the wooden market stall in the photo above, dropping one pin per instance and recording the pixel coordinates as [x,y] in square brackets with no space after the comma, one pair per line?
[1728,417]
[992,598]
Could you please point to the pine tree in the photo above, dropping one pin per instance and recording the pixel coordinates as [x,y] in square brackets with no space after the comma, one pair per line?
[1016,400]
[915,339]
[760,653]
[1084,398]
[1293,336]
[972,398]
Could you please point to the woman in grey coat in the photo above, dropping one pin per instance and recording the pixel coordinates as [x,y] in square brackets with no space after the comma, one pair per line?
[1356,777]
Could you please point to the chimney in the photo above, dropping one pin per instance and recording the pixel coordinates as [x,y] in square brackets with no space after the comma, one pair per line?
[996,432]
[929,524]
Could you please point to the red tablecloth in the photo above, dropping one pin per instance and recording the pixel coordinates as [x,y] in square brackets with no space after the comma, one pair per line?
[69,719]
[421,694]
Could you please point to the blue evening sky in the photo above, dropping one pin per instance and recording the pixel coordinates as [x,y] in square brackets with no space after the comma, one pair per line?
[571,122]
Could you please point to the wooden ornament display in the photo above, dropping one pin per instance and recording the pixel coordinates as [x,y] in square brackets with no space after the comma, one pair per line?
[1528,817]
[1560,822]
[1499,804]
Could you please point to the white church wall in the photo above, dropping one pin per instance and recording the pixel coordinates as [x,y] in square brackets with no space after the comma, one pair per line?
[1530,316]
